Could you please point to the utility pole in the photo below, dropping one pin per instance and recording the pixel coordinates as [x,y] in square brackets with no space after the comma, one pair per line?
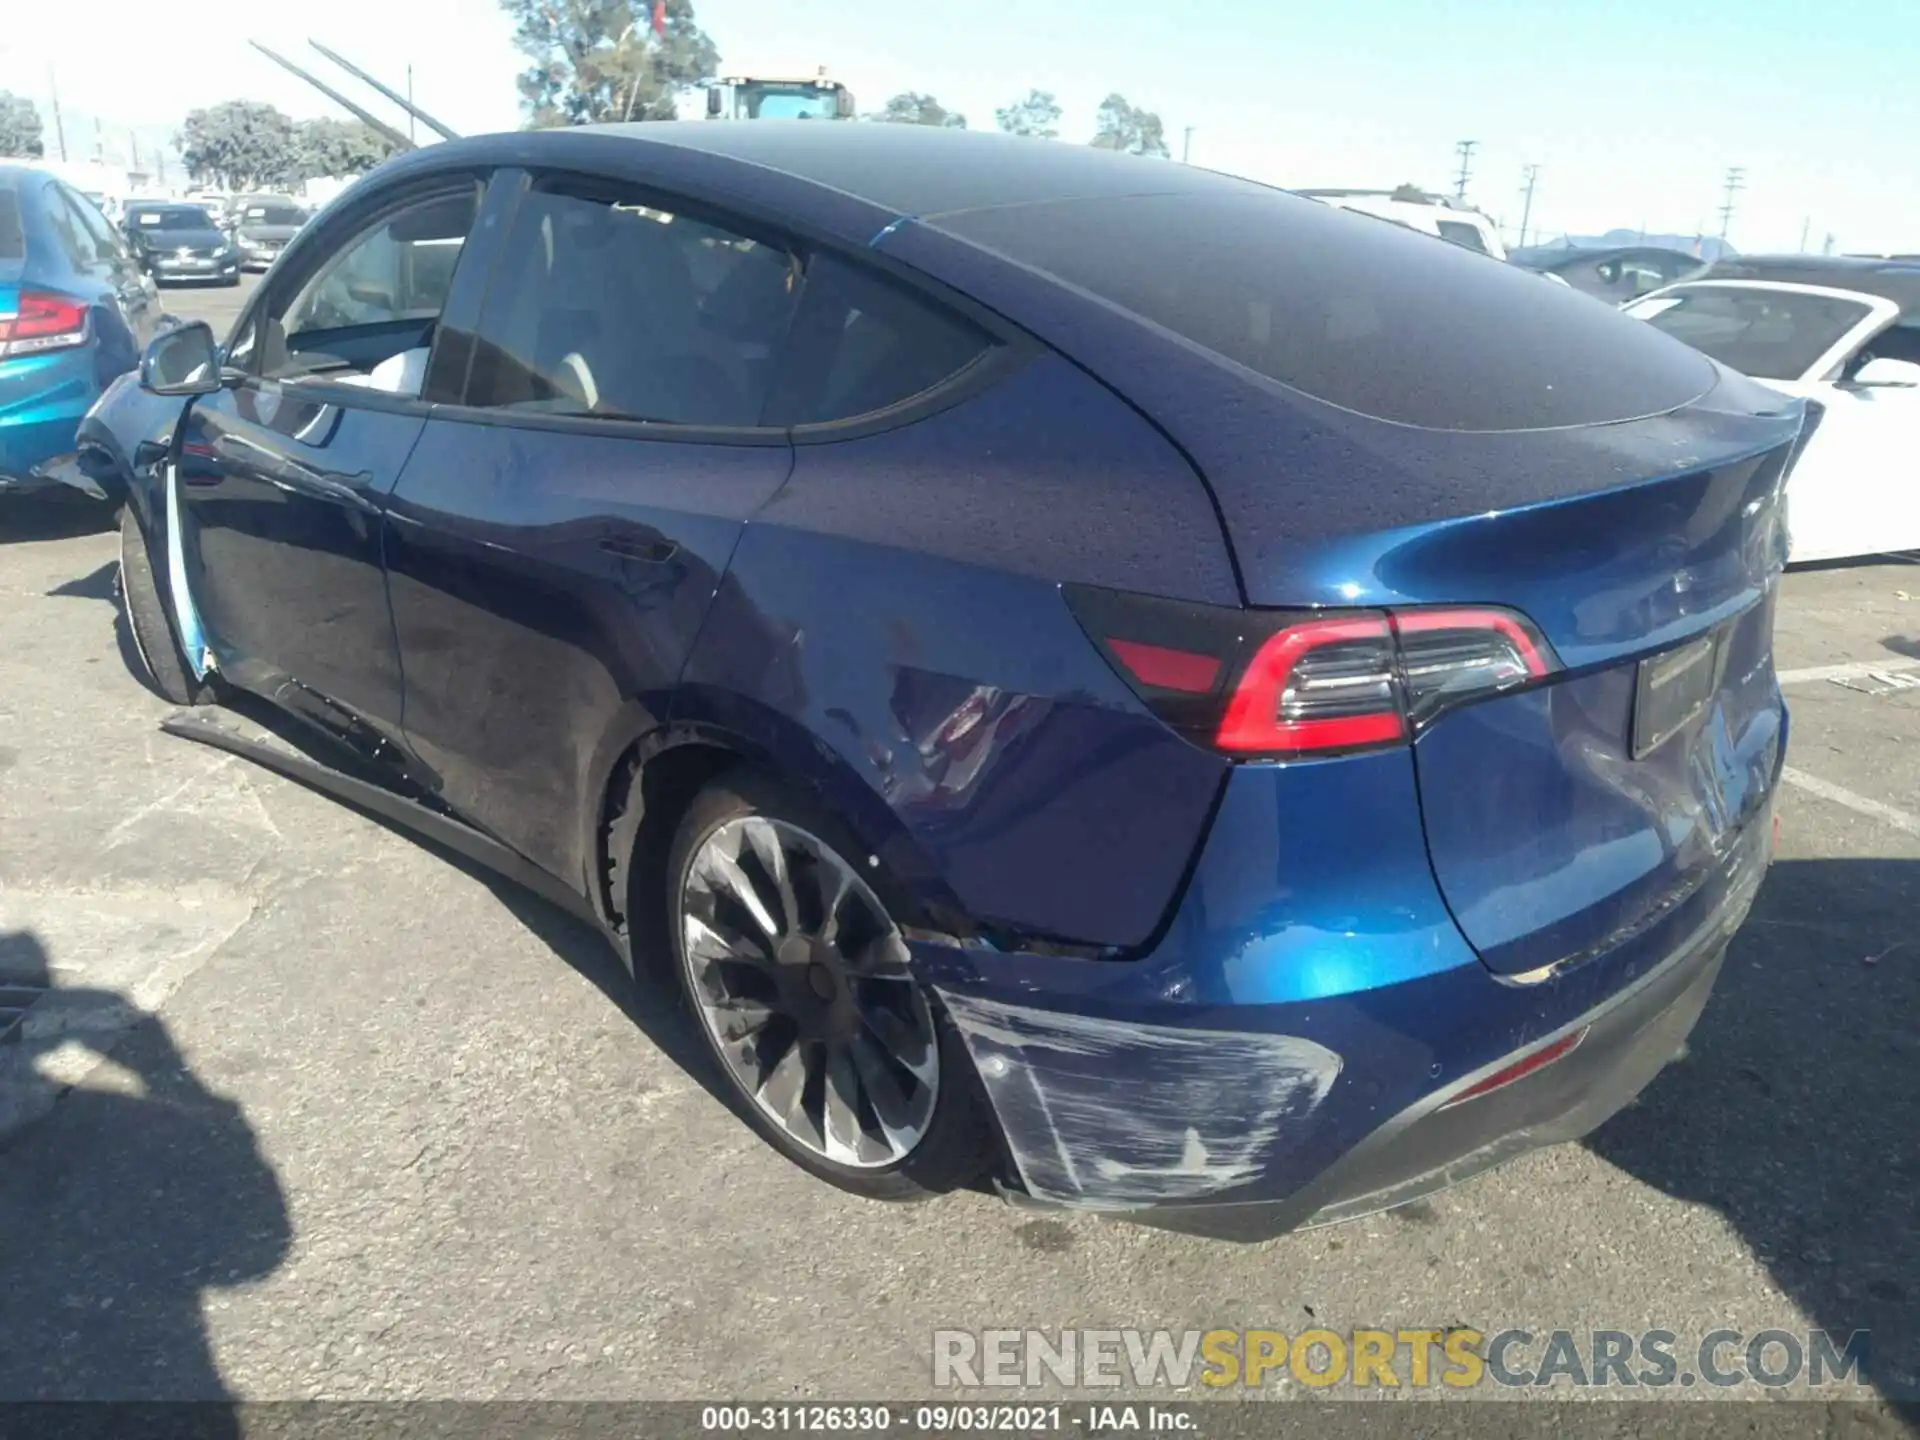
[59,130]
[1532,173]
[1827,249]
[1806,225]
[410,134]
[133,143]
[1186,145]
[1736,182]
[1465,151]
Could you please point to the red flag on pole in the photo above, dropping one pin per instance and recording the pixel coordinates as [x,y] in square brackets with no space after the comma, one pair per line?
[660,17]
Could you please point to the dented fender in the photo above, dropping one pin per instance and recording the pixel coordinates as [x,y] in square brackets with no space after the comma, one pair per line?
[121,448]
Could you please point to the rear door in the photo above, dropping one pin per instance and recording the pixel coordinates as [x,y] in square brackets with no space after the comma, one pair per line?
[557,538]
[1856,489]
[281,479]
[136,296]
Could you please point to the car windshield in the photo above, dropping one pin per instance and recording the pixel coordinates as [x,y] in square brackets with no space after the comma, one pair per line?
[173,217]
[786,102]
[1768,334]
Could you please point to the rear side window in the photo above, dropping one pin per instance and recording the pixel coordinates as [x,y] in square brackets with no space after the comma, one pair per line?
[13,236]
[1768,334]
[861,343]
[1363,316]
[627,312]
[63,215]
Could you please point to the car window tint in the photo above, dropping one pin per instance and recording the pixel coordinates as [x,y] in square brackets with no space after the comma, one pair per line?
[99,229]
[630,312]
[1466,236]
[374,299]
[1768,334]
[68,228]
[862,343]
[1359,315]
[13,236]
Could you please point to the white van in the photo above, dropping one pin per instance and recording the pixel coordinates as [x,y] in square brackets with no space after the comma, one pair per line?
[1436,215]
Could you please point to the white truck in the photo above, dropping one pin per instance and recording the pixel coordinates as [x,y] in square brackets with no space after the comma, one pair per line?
[1452,220]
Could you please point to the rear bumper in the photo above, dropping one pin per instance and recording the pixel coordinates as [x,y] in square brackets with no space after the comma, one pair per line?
[1288,1052]
[1435,1144]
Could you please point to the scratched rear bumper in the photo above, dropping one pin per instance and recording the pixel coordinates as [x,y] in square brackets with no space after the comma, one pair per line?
[1224,1089]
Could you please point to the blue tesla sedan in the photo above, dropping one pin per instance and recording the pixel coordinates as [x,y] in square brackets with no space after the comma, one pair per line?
[1084,671]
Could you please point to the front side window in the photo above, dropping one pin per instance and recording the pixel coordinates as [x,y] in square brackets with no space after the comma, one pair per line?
[628,312]
[1768,334]
[172,217]
[374,302]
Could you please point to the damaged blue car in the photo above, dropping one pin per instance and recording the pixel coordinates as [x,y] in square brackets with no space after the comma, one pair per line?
[1082,671]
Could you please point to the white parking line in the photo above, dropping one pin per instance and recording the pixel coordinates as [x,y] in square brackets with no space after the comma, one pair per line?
[1840,795]
[1857,670]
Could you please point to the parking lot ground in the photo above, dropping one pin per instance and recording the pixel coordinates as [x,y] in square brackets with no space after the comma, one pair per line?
[371,1124]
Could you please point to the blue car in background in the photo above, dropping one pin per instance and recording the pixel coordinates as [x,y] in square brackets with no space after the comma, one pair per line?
[75,311]
[1192,702]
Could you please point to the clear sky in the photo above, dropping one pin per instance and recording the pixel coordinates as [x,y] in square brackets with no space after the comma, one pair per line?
[1633,109]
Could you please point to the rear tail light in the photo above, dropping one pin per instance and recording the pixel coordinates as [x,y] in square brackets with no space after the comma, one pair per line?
[42,321]
[1265,684]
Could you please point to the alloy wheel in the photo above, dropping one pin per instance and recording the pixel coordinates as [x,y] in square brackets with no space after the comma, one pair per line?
[801,980]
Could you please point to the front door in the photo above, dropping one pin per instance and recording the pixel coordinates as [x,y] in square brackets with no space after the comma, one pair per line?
[281,480]
[556,540]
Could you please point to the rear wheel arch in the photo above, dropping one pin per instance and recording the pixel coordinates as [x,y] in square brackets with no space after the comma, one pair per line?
[652,780]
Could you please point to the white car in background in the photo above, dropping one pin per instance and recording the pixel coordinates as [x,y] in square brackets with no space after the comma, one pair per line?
[1847,336]
[1436,215]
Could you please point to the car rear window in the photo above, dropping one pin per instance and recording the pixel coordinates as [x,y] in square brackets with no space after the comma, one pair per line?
[1367,317]
[177,217]
[1768,334]
[13,239]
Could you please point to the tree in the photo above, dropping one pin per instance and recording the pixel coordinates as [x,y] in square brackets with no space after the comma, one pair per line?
[912,108]
[1119,126]
[1038,114]
[337,148]
[596,61]
[20,129]
[241,144]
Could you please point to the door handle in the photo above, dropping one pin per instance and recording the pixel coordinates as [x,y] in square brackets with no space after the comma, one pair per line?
[650,553]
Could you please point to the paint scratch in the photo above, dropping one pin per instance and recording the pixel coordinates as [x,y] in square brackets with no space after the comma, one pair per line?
[1112,1115]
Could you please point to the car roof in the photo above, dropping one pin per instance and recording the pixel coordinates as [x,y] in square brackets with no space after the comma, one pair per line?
[1895,280]
[920,170]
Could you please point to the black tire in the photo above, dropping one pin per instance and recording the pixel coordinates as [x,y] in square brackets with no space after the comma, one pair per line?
[149,620]
[956,1146]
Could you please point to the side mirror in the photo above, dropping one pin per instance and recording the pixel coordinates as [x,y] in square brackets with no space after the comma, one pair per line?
[715,102]
[181,361]
[1888,373]
[843,104]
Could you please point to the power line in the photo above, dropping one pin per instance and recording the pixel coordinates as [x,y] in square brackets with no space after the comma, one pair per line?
[1532,172]
[1736,182]
[1465,151]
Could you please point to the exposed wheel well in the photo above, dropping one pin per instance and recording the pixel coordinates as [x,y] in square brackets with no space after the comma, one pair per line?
[646,800]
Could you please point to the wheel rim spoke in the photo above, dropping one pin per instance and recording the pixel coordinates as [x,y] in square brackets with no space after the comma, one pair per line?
[724,869]
[848,1069]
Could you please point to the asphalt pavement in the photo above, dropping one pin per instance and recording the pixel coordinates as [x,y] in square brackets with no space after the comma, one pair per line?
[313,1110]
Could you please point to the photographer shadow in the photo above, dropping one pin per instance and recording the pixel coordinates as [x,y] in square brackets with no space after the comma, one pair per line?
[122,1207]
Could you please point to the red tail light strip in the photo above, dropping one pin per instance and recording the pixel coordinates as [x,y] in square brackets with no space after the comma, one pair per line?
[1255,720]
[1417,622]
[1520,1069]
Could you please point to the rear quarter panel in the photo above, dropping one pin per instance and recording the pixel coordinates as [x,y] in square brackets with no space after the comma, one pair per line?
[891,628]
